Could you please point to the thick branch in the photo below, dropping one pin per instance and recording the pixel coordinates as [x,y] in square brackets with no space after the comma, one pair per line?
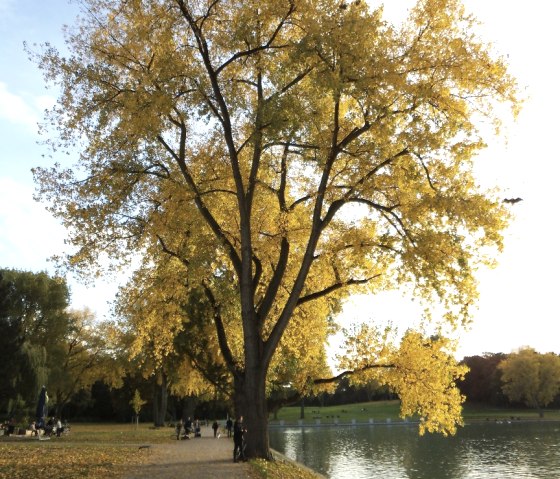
[429,178]
[283,179]
[220,330]
[275,282]
[333,287]
[258,271]
[298,201]
[337,204]
[172,253]
[292,83]
[373,171]
[343,374]
[268,44]
[257,148]
[224,114]
[387,210]
[206,214]
[278,330]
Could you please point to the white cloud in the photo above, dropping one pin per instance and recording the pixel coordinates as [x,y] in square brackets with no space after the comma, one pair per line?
[20,110]
[29,235]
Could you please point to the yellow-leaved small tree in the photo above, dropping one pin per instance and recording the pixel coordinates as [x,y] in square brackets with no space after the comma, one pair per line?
[137,402]
[531,377]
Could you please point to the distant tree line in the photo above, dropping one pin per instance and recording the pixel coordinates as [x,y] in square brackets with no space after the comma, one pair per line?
[523,378]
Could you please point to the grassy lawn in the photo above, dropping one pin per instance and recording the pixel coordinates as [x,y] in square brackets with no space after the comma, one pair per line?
[381,410]
[119,434]
[280,469]
[361,412]
[89,451]
[479,412]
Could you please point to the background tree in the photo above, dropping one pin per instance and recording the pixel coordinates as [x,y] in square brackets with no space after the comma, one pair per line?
[483,382]
[189,365]
[80,359]
[33,322]
[45,343]
[10,347]
[295,151]
[531,377]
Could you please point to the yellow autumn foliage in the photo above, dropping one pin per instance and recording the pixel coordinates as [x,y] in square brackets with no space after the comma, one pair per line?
[279,156]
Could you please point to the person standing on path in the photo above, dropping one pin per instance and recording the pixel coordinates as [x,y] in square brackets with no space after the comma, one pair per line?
[229,426]
[238,433]
[179,428]
[215,427]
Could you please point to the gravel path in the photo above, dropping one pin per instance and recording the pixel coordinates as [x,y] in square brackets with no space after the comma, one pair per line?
[196,458]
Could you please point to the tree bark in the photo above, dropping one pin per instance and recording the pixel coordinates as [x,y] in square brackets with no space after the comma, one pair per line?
[160,402]
[250,402]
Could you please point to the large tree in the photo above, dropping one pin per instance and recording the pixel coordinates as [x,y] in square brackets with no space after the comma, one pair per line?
[11,340]
[33,324]
[42,342]
[531,377]
[278,155]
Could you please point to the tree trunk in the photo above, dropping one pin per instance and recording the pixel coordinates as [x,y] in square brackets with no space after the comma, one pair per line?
[189,404]
[160,402]
[163,406]
[250,402]
[155,404]
[302,409]
[58,406]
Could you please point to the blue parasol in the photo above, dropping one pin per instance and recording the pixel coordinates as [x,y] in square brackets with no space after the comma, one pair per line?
[42,407]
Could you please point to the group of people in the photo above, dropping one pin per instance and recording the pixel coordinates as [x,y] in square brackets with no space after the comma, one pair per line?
[183,429]
[52,427]
[237,429]
[229,427]
[8,426]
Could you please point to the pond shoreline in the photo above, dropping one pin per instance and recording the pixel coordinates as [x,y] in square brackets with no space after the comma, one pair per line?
[404,422]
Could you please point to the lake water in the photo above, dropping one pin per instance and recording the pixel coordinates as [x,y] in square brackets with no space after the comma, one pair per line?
[479,451]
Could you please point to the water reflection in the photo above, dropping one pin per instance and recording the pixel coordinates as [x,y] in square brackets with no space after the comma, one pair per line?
[479,451]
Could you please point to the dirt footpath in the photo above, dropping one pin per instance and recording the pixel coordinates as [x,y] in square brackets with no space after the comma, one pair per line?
[195,458]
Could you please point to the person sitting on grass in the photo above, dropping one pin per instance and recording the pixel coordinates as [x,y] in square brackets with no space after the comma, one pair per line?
[59,428]
[49,427]
[11,426]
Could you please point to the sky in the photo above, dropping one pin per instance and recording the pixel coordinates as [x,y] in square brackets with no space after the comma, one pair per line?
[517,305]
